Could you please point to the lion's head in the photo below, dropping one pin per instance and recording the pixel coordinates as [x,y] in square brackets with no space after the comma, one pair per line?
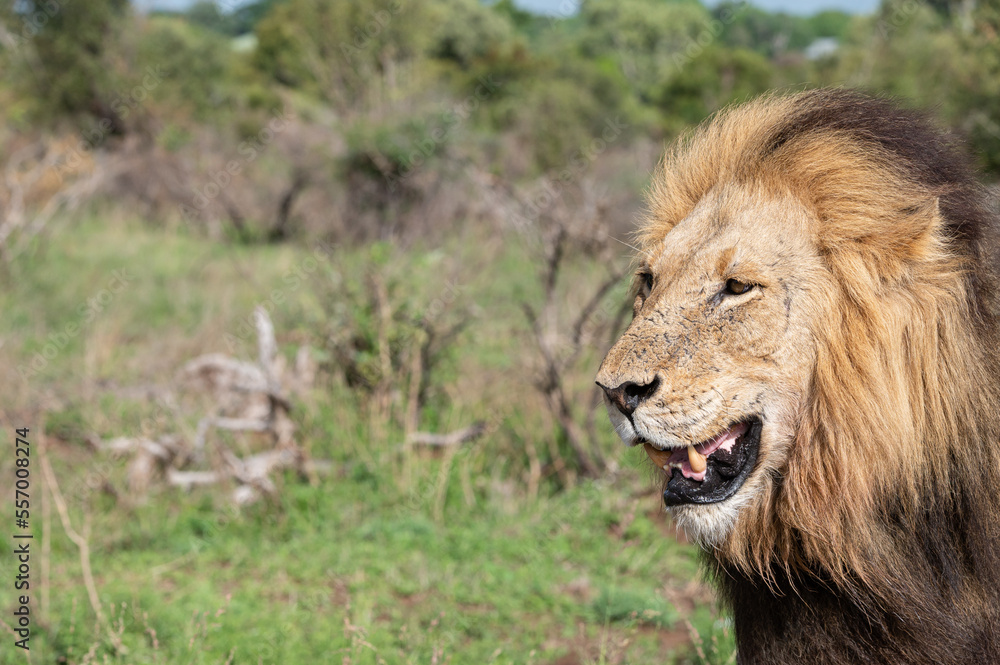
[806,358]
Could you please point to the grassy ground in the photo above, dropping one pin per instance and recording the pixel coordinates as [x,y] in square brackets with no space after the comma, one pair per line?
[386,559]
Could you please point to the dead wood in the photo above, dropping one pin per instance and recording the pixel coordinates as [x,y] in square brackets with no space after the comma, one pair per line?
[456,438]
[250,397]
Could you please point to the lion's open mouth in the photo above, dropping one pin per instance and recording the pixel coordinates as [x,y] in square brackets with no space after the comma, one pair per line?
[713,470]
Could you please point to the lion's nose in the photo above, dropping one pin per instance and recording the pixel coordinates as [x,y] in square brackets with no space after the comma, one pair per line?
[629,395]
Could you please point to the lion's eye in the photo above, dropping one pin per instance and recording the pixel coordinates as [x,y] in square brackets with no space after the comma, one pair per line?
[735,287]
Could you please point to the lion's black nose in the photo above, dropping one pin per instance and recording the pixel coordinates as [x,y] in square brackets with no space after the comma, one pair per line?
[629,395]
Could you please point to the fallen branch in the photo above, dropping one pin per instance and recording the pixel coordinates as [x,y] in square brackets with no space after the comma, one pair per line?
[187,480]
[249,398]
[236,424]
[257,467]
[456,438]
[164,449]
[220,373]
[248,470]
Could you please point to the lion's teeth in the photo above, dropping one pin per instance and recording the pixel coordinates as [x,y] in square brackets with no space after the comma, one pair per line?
[659,457]
[696,459]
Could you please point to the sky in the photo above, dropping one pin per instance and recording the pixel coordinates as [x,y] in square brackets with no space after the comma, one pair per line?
[804,7]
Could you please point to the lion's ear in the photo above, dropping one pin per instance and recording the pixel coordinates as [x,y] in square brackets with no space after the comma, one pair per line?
[892,246]
[919,228]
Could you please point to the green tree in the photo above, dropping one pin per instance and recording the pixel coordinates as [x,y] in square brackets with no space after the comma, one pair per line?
[645,38]
[346,50]
[467,31]
[65,56]
[343,51]
[208,15]
[195,64]
[767,33]
[524,22]
[930,59]
[830,23]
[716,77]
[239,21]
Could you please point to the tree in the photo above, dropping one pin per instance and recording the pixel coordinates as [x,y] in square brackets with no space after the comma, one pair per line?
[713,79]
[644,37]
[65,55]
[208,15]
[342,50]
[468,31]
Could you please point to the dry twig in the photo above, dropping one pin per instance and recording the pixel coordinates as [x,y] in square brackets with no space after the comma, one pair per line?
[80,541]
[558,356]
[456,438]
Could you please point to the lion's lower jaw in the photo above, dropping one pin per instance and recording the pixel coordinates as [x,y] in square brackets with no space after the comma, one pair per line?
[708,525]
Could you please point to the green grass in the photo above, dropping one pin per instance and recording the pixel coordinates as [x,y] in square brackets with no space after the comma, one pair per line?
[384,560]
[330,569]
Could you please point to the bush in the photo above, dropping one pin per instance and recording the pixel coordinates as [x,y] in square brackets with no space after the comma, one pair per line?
[194,65]
[717,77]
[64,57]
[467,31]
[342,51]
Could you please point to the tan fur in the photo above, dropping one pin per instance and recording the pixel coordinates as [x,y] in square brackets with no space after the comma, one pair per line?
[861,346]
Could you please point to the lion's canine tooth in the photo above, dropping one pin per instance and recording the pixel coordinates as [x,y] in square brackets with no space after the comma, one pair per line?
[696,459]
[659,457]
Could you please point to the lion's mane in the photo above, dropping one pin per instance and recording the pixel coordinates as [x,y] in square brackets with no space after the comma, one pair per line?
[884,531]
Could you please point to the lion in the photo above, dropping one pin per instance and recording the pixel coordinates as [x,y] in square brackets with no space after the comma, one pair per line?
[813,365]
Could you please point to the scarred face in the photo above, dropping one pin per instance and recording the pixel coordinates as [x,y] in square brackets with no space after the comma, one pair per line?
[710,375]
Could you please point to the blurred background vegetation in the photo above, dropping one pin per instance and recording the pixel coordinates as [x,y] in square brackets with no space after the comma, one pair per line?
[431,200]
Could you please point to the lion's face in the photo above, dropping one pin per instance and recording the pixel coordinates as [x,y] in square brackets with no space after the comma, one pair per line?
[711,374]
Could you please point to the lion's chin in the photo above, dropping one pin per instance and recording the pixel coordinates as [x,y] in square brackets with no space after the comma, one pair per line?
[708,525]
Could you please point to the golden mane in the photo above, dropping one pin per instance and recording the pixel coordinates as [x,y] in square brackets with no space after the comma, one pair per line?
[897,451]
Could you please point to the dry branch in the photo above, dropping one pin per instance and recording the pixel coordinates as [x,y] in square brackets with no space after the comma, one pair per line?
[595,301]
[165,449]
[29,175]
[280,230]
[190,479]
[249,397]
[560,353]
[219,373]
[258,467]
[80,541]
[219,422]
[456,438]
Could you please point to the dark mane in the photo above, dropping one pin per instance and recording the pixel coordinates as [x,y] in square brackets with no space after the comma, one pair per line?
[932,158]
